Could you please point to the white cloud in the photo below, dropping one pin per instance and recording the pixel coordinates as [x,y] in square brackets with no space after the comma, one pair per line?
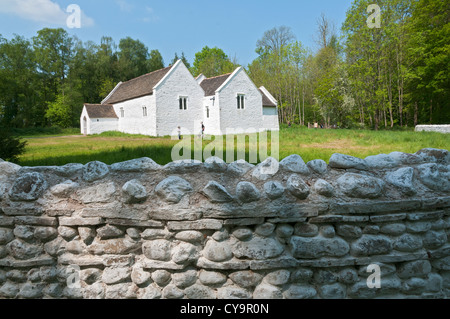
[124,6]
[150,15]
[44,11]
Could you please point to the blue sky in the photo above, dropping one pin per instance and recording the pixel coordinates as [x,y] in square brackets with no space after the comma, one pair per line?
[176,25]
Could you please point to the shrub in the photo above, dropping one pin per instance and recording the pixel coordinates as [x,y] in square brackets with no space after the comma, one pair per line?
[10,146]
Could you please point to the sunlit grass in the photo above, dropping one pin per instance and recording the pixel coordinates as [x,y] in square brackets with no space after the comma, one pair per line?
[113,147]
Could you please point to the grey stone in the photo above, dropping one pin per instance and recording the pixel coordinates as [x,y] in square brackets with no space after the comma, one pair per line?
[139,276]
[173,189]
[434,283]
[75,247]
[240,167]
[334,291]
[203,224]
[8,169]
[109,232]
[266,291]
[157,249]
[183,166]
[117,246]
[230,293]
[211,278]
[405,158]
[325,277]
[348,276]
[199,292]
[432,155]
[172,292]
[190,236]
[115,275]
[28,187]
[258,248]
[184,279]
[278,278]
[45,234]
[247,192]
[297,187]
[414,286]
[67,233]
[221,235]
[161,277]
[327,231]
[101,193]
[94,171]
[215,164]
[381,161]
[305,248]
[306,230]
[149,293]
[265,230]
[418,227]
[322,187]
[434,239]
[435,177]
[55,247]
[139,165]
[301,275]
[217,252]
[408,243]
[403,180]
[369,245]
[184,253]
[243,233]
[318,166]
[3,253]
[121,291]
[6,235]
[64,189]
[439,225]
[134,192]
[349,231]
[90,275]
[442,264]
[361,186]
[216,193]
[347,162]
[150,234]
[266,169]
[54,290]
[274,190]
[246,279]
[96,291]
[22,250]
[87,234]
[372,229]
[9,290]
[393,229]
[284,230]
[300,292]
[418,268]
[295,164]
[16,275]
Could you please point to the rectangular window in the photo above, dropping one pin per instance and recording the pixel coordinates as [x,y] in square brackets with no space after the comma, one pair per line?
[183,103]
[207,112]
[122,112]
[241,101]
[144,111]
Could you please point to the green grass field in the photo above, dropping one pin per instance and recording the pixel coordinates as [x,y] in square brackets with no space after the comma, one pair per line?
[112,147]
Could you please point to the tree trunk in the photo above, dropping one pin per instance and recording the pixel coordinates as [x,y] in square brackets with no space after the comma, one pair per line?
[416,111]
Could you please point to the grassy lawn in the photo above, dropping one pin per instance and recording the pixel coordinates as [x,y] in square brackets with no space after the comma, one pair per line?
[310,144]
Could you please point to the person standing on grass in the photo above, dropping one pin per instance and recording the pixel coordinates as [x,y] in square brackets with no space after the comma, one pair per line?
[179,132]
[203,129]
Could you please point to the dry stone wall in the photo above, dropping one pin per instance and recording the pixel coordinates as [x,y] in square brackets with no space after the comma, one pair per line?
[216,230]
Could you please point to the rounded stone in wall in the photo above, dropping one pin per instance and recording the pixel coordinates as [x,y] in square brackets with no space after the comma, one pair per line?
[217,252]
[247,192]
[157,249]
[161,277]
[297,187]
[184,279]
[246,278]
[266,291]
[94,171]
[211,278]
[28,187]
[173,189]
[274,189]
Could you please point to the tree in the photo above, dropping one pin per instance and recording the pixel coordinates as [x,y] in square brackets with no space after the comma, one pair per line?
[10,147]
[133,56]
[275,39]
[212,62]
[59,112]
[155,61]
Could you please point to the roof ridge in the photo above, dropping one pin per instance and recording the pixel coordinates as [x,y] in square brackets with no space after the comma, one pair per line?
[147,74]
[218,76]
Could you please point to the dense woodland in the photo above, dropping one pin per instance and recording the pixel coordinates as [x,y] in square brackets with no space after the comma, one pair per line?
[393,76]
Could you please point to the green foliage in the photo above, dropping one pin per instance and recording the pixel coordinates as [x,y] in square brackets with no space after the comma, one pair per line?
[58,112]
[212,62]
[10,147]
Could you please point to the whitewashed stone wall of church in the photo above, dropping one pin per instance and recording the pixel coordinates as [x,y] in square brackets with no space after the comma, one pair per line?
[134,121]
[97,126]
[168,115]
[212,124]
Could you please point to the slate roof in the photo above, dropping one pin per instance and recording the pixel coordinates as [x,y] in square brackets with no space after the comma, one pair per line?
[138,87]
[101,111]
[266,100]
[211,85]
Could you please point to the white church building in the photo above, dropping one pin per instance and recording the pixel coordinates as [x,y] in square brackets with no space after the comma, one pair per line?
[157,103]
